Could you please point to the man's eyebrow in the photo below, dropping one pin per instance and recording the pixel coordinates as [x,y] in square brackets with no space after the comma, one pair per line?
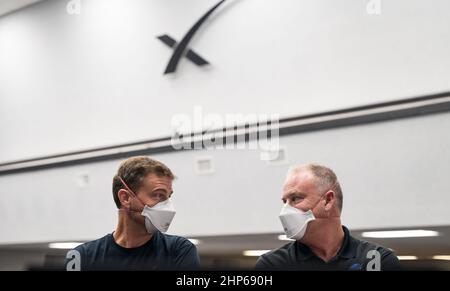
[162,189]
[294,193]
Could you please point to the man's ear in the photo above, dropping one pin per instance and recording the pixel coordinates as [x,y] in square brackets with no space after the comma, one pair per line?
[330,200]
[124,198]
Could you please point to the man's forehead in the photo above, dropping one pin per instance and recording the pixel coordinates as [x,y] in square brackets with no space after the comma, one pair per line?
[155,181]
[301,180]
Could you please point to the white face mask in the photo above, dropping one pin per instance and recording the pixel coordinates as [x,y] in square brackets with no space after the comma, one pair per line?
[295,221]
[159,216]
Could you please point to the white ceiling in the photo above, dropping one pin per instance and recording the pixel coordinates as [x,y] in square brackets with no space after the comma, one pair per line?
[7,6]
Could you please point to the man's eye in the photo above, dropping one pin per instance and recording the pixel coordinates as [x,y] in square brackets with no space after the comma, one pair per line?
[155,196]
[159,196]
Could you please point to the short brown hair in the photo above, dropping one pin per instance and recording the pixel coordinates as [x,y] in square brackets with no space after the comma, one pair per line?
[134,170]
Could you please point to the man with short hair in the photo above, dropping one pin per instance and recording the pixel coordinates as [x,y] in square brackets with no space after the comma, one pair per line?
[313,200]
[142,189]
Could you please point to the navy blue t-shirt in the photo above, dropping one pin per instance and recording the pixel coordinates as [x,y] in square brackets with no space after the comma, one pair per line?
[161,252]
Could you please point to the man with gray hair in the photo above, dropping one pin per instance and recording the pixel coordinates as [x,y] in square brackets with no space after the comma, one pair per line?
[313,200]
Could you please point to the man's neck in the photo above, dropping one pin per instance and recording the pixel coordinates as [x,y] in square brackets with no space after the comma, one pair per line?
[129,233]
[325,239]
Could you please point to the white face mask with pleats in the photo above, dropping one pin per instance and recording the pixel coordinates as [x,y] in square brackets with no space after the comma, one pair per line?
[295,221]
[159,216]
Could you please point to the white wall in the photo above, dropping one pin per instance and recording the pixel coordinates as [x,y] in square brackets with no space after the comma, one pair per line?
[393,174]
[77,82]
[70,82]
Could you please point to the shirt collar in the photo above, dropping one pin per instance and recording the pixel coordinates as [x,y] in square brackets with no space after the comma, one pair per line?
[347,250]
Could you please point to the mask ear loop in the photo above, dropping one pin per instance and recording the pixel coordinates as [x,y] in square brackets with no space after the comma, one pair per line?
[132,192]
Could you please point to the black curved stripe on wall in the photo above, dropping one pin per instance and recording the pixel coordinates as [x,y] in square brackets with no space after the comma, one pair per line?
[179,50]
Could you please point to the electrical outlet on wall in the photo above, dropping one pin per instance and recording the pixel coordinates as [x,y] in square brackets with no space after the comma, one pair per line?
[274,157]
[83,180]
[204,165]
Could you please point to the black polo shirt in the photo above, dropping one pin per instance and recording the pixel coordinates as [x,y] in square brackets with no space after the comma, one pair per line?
[351,256]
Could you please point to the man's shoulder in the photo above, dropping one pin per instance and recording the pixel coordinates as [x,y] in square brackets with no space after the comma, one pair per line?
[176,241]
[182,251]
[283,251]
[90,246]
[370,250]
[278,257]
[365,246]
